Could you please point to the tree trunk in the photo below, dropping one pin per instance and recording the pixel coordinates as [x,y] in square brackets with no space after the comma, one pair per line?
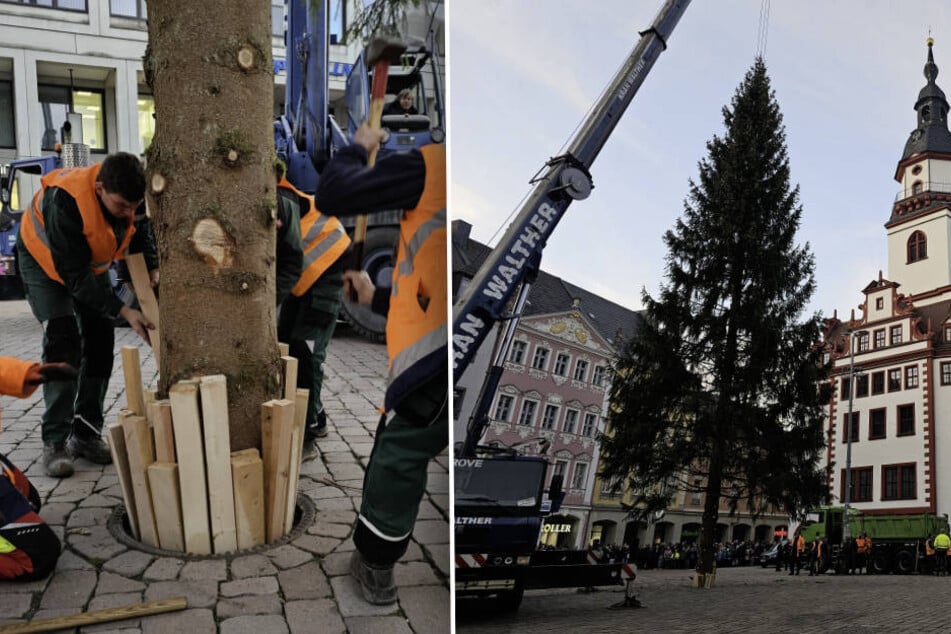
[706,563]
[212,199]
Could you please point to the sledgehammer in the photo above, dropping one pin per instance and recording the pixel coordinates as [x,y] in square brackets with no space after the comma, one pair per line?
[378,54]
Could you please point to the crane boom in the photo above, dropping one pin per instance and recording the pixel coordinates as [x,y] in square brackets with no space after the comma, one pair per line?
[563,179]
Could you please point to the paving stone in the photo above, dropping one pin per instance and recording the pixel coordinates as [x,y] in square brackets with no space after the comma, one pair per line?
[335,504]
[317,545]
[335,517]
[441,556]
[193,620]
[336,564]
[238,606]
[85,517]
[253,625]
[252,566]
[200,594]
[163,569]
[415,573]
[95,543]
[205,569]
[431,532]
[303,615]
[55,513]
[70,589]
[110,583]
[254,585]
[426,607]
[105,601]
[68,560]
[129,564]
[378,625]
[338,531]
[14,604]
[288,556]
[304,582]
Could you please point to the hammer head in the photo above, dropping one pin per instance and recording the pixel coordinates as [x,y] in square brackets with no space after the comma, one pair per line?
[383,49]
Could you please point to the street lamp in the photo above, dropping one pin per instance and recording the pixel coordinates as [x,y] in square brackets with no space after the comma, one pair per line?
[853,372]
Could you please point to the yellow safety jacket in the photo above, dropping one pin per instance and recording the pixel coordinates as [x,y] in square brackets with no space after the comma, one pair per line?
[416,323]
[324,240]
[942,542]
[78,182]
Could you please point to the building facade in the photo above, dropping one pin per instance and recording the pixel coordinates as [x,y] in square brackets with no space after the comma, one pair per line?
[889,417]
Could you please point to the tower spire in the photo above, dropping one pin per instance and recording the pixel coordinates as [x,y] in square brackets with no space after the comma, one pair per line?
[931,134]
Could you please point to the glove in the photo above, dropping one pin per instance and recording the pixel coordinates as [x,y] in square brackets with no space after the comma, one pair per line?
[50,372]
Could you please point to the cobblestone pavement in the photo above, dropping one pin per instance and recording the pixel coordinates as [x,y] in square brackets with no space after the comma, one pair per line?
[744,600]
[301,586]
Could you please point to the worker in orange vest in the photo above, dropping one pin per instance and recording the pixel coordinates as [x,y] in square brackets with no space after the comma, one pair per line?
[816,554]
[798,551]
[863,549]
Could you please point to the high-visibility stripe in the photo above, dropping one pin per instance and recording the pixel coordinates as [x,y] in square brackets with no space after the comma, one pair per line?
[412,246]
[430,343]
[473,560]
[5,546]
[376,531]
[628,571]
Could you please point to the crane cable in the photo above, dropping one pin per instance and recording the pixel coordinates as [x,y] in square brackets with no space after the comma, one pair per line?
[763,29]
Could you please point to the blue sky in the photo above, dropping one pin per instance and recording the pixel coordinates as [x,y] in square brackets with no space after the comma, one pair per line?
[846,74]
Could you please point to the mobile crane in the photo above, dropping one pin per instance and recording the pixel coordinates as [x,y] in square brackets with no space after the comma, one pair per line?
[307,134]
[500,502]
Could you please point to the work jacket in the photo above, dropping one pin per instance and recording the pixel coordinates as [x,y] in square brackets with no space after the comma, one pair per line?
[800,545]
[324,241]
[13,377]
[416,323]
[929,548]
[79,183]
[862,544]
[942,542]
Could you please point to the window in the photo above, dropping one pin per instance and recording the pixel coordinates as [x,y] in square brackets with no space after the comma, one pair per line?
[879,303]
[277,19]
[906,420]
[861,385]
[876,424]
[581,474]
[590,424]
[581,370]
[338,21]
[57,101]
[916,188]
[561,364]
[947,334]
[611,487]
[917,247]
[880,338]
[862,342]
[540,360]
[896,334]
[571,421]
[855,427]
[503,407]
[878,382]
[517,353]
[696,493]
[527,417]
[7,127]
[898,482]
[146,108]
[549,417]
[845,389]
[911,376]
[894,380]
[66,5]
[136,9]
[860,485]
[598,378]
[561,466]
[946,373]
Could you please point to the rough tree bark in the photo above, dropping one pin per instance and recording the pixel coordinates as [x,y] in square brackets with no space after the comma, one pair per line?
[212,199]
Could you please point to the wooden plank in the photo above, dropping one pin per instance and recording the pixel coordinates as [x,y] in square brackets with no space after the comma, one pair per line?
[214,421]
[160,416]
[277,425]
[105,615]
[297,447]
[247,473]
[121,461]
[141,453]
[132,369]
[290,377]
[167,502]
[146,296]
[284,349]
[186,421]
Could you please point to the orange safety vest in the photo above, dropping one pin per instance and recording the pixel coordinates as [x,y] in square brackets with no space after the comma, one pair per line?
[929,548]
[324,240]
[78,182]
[416,330]
[800,545]
[862,545]
[13,377]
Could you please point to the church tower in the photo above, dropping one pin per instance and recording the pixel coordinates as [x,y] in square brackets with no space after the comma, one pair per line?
[919,230]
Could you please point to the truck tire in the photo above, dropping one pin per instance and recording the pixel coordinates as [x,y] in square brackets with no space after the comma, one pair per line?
[509,601]
[879,563]
[378,261]
[905,562]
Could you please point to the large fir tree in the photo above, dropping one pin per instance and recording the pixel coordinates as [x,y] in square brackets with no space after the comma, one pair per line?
[720,385]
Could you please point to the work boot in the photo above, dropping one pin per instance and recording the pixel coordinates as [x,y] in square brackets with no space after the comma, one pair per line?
[94,449]
[319,428]
[376,582]
[56,461]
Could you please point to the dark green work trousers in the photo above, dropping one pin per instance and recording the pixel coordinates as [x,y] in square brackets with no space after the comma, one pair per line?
[395,479]
[74,334]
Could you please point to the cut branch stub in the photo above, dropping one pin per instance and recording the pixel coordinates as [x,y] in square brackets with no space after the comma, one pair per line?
[158,183]
[246,58]
[213,244]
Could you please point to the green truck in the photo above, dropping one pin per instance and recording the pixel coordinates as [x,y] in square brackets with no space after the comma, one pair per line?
[897,540]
